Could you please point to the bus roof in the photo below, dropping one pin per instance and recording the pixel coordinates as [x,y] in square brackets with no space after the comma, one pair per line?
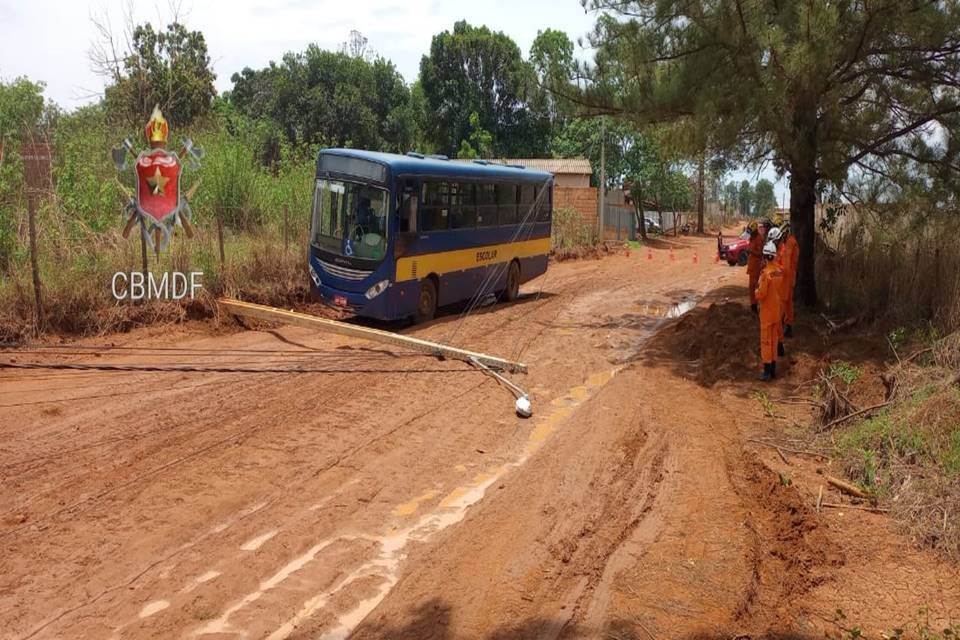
[416,165]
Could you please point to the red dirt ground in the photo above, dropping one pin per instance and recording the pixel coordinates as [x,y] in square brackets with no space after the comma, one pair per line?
[389,495]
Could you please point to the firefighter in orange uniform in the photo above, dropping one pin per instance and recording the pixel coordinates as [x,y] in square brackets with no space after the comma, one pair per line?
[754,256]
[768,295]
[789,258]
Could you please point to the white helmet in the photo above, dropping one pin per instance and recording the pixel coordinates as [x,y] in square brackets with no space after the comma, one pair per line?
[770,249]
[773,235]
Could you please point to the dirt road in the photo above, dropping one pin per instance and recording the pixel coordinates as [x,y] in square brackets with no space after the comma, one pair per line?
[378,494]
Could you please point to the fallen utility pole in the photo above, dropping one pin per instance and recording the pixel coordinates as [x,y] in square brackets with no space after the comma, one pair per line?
[272,314]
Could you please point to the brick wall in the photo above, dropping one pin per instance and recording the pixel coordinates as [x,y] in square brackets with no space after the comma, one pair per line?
[583,199]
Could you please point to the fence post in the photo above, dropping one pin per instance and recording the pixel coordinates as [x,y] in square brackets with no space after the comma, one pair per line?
[34,262]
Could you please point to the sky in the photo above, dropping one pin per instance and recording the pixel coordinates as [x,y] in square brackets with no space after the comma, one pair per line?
[49,40]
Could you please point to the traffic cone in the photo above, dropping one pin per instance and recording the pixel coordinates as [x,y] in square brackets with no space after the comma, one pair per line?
[716,258]
[672,257]
[649,253]
[696,259]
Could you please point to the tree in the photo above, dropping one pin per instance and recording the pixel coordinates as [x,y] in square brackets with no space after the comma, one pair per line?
[478,144]
[551,55]
[331,98]
[21,108]
[745,198]
[731,196]
[830,91]
[474,70]
[168,68]
[764,198]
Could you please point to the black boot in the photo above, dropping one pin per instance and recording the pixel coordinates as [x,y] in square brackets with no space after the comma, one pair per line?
[773,369]
[788,331]
[767,372]
[753,308]
[780,351]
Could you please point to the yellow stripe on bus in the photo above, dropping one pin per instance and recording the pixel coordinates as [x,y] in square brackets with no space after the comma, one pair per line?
[417,267]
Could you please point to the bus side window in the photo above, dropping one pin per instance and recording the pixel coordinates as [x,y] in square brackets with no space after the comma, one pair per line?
[486,205]
[407,209]
[463,210]
[435,208]
[546,204]
[527,197]
[507,203]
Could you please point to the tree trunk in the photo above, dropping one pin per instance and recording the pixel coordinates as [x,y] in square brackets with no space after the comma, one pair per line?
[641,222]
[803,224]
[700,195]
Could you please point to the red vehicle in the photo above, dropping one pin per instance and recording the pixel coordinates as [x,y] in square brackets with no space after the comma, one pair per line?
[735,251]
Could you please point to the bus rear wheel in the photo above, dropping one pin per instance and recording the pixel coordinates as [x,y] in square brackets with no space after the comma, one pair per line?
[512,292]
[427,302]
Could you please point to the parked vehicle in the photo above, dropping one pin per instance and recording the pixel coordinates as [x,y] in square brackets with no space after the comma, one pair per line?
[398,236]
[653,225]
[737,251]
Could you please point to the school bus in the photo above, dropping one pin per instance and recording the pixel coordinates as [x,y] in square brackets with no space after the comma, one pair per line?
[397,236]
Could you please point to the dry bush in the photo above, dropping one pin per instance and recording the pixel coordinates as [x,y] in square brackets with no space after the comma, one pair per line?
[76,276]
[899,269]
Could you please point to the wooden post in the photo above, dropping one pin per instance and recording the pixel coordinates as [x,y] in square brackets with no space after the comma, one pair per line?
[271,314]
[143,251]
[36,178]
[286,235]
[223,257]
[34,261]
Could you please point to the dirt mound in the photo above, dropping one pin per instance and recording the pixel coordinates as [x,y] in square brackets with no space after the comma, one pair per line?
[720,341]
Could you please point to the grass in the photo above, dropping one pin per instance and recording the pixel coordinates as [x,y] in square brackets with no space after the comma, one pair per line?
[76,279]
[907,456]
[844,371]
[766,403]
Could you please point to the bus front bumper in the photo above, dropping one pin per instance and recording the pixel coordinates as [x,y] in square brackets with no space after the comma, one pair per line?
[358,303]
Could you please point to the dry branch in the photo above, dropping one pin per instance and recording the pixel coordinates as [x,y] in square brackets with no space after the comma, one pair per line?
[837,505]
[846,487]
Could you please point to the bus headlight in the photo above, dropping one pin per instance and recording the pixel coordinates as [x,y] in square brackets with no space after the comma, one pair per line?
[314,276]
[377,289]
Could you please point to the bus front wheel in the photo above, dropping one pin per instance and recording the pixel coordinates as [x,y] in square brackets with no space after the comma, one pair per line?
[512,292]
[427,303]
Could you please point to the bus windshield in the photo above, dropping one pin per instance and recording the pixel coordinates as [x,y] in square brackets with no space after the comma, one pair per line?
[350,219]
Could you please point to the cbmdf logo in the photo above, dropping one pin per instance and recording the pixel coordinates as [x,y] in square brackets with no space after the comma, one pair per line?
[157,203]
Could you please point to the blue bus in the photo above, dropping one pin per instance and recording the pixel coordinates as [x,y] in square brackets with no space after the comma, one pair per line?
[396,236]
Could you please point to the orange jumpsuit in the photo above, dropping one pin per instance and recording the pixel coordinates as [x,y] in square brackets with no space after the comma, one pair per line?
[789,260]
[768,295]
[755,253]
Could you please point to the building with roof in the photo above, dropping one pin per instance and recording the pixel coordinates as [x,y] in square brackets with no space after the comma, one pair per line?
[567,172]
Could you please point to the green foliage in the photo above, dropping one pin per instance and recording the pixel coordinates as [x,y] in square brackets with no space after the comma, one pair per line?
[86,190]
[169,68]
[764,198]
[828,91]
[21,106]
[479,144]
[474,70]
[330,98]
[766,403]
[634,159]
[745,198]
[569,231]
[844,371]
